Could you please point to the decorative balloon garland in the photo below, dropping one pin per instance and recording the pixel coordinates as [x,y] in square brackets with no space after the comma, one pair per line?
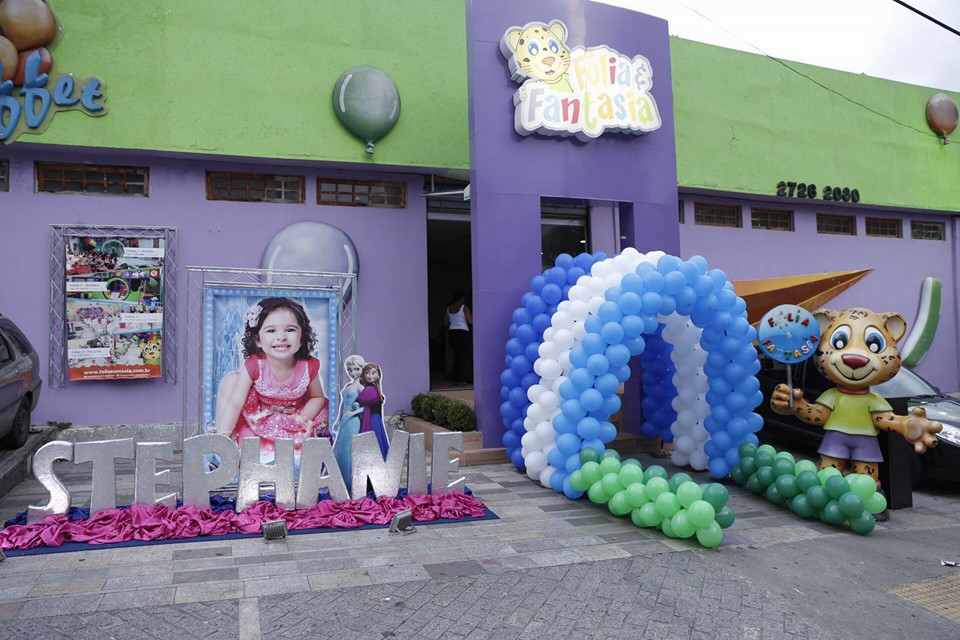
[571,342]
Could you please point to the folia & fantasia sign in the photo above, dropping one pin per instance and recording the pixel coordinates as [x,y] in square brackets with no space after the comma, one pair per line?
[576,91]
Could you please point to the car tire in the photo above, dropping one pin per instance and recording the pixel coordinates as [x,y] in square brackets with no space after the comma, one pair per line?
[20,429]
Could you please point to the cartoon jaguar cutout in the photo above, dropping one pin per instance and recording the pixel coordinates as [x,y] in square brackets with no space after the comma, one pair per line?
[857,350]
[539,52]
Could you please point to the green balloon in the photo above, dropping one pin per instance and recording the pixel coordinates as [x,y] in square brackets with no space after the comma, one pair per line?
[787,486]
[851,504]
[725,517]
[716,494]
[807,479]
[609,465]
[667,527]
[611,484]
[863,523]
[589,454]
[877,503]
[785,455]
[619,505]
[801,506]
[654,471]
[749,466]
[753,483]
[611,453]
[710,536]
[737,474]
[824,474]
[634,462]
[767,448]
[763,459]
[578,482]
[630,473]
[805,465]
[747,450]
[636,519]
[688,493]
[648,515]
[678,479]
[701,513]
[831,513]
[836,486]
[766,476]
[783,467]
[596,493]
[773,495]
[862,485]
[637,494]
[591,472]
[818,497]
[367,103]
[667,504]
[681,524]
[656,486]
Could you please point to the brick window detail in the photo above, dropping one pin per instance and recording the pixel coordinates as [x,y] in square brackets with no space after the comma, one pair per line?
[4,175]
[773,219]
[716,215]
[925,230]
[255,187]
[361,193]
[836,225]
[93,179]
[884,227]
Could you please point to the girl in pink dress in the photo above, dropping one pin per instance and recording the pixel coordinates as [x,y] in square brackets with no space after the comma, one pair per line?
[278,392]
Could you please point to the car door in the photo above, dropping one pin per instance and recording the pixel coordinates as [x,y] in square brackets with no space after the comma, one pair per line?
[10,382]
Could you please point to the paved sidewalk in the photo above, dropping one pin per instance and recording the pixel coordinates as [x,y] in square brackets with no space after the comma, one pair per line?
[549,567]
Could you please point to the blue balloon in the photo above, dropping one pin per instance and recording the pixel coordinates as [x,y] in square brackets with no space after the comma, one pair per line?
[598,364]
[635,345]
[556,458]
[529,379]
[607,384]
[632,283]
[581,379]
[518,398]
[573,410]
[703,285]
[579,357]
[568,390]
[509,379]
[517,458]
[612,296]
[607,432]
[612,333]
[574,274]
[719,277]
[537,283]
[700,262]
[668,263]
[511,440]
[568,443]
[622,373]
[630,303]
[540,322]
[521,316]
[632,326]
[718,468]
[673,282]
[514,347]
[556,275]
[651,302]
[596,444]
[552,293]
[592,343]
[565,262]
[532,351]
[588,428]
[569,491]
[615,356]
[609,312]
[557,480]
[535,305]
[520,365]
[561,424]
[668,305]
[584,261]
[593,324]
[591,400]
[611,404]
[653,282]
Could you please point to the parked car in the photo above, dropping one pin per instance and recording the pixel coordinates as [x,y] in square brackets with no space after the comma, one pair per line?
[19,384]
[941,463]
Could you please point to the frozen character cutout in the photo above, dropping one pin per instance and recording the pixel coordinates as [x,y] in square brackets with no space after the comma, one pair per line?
[856,350]
[278,393]
[350,416]
[371,403]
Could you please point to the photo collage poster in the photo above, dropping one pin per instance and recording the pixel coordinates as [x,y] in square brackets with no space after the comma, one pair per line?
[114,307]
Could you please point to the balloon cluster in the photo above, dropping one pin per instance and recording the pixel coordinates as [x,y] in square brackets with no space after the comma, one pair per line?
[824,494]
[676,505]
[569,351]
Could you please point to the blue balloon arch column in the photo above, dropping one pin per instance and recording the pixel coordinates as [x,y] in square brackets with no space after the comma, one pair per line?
[570,346]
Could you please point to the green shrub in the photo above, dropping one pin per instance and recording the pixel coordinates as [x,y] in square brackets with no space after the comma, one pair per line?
[416,404]
[428,408]
[444,412]
[441,411]
[460,417]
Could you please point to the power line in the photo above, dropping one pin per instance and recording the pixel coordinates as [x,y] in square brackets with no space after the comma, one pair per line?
[928,17]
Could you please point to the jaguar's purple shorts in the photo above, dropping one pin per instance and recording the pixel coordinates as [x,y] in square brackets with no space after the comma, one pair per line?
[847,447]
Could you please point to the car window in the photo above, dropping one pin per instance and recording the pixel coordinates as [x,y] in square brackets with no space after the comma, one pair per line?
[906,384]
[6,353]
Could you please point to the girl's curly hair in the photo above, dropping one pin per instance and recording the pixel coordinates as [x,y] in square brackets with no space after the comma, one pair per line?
[308,339]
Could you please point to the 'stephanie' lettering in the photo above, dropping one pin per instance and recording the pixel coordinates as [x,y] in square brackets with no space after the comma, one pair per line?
[579,91]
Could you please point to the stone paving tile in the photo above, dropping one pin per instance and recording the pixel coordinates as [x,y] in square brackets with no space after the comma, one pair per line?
[137,599]
[206,575]
[202,552]
[338,580]
[145,581]
[38,607]
[204,592]
[67,586]
[454,569]
[274,585]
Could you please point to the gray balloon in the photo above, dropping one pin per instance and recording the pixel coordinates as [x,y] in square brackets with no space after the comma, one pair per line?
[942,114]
[312,246]
[367,103]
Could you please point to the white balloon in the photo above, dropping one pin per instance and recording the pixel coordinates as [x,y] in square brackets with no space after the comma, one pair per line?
[564,338]
[536,413]
[528,424]
[561,320]
[549,400]
[548,334]
[564,361]
[579,330]
[685,444]
[678,458]
[600,269]
[545,433]
[549,369]
[593,304]
[612,280]
[564,306]
[529,441]
[545,475]
[578,309]
[549,350]
[535,463]
[579,292]
[698,460]
[533,393]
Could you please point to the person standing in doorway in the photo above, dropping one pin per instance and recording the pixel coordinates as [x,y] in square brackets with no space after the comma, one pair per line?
[457,322]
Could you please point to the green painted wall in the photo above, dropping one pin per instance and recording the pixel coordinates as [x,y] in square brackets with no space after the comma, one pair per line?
[255,77]
[745,122]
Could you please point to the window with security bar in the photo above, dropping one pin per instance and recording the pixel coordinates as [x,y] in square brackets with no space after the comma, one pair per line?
[255,187]
[925,230]
[836,225]
[361,193]
[884,227]
[716,215]
[4,175]
[772,219]
[92,179]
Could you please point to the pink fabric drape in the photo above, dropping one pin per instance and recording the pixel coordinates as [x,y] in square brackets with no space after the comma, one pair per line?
[141,522]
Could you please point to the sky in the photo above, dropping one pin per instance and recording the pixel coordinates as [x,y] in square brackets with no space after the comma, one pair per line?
[879,38]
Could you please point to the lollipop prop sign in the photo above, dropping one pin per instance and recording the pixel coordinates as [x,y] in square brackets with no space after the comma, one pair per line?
[788,334]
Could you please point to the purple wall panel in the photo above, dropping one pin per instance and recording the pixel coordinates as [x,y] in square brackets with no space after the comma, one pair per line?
[391,244]
[899,266]
[510,172]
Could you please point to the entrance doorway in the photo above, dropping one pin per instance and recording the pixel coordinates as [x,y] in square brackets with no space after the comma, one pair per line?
[564,228]
[448,268]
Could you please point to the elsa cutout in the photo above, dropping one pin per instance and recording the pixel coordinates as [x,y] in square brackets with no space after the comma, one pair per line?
[350,415]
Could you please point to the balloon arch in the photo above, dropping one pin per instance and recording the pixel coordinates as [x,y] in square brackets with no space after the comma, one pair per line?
[570,346]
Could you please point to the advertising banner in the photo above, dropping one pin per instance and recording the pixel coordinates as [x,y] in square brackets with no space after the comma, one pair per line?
[114,307]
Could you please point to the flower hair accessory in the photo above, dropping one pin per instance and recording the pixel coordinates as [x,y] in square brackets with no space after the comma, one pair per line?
[253,315]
